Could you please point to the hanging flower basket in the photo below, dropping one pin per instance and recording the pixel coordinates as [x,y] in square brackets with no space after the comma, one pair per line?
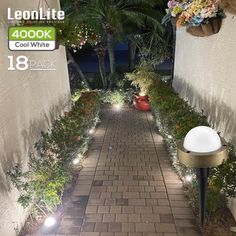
[196,31]
[211,27]
[207,29]
[202,18]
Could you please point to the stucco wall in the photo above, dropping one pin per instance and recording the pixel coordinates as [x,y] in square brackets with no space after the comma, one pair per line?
[29,101]
[205,75]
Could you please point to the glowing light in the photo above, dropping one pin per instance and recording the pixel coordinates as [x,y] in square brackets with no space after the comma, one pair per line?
[117,107]
[202,139]
[76,161]
[189,178]
[50,221]
[233,229]
[91,131]
[142,94]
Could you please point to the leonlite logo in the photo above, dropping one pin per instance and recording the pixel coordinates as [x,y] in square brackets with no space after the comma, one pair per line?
[40,14]
[33,38]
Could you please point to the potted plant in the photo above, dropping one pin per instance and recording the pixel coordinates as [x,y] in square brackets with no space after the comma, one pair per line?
[142,78]
[201,18]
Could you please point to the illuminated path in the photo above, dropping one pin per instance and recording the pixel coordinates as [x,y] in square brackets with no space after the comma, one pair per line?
[127,186]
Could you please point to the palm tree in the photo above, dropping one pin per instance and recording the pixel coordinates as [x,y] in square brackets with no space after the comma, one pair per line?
[77,67]
[100,51]
[110,16]
[154,48]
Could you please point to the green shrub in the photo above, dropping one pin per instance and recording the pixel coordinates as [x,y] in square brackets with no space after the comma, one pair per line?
[42,186]
[113,97]
[143,77]
[75,97]
[174,118]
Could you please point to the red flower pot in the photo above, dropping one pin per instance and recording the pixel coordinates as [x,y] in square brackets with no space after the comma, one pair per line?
[141,103]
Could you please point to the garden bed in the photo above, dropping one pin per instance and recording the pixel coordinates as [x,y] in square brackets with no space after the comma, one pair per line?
[174,118]
[54,165]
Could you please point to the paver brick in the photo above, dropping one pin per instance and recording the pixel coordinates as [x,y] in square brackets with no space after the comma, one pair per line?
[136,202]
[89,234]
[107,234]
[101,227]
[144,227]
[135,218]
[127,186]
[103,209]
[115,227]
[91,209]
[165,227]
[88,226]
[128,227]
[143,209]
[109,217]
[93,218]
[122,218]
[130,194]
[150,218]
[166,218]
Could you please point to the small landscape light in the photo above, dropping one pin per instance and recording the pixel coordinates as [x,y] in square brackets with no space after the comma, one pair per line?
[76,161]
[117,107]
[202,149]
[142,94]
[188,178]
[91,131]
[50,221]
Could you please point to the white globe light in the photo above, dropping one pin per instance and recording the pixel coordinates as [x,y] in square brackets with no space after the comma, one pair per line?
[202,139]
[50,221]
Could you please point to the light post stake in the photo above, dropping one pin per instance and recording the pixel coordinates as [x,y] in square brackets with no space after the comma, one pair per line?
[203,176]
[195,152]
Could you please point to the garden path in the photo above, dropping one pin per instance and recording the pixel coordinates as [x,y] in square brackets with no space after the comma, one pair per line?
[127,186]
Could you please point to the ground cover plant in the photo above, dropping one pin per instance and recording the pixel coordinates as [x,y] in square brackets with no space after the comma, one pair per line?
[174,118]
[41,187]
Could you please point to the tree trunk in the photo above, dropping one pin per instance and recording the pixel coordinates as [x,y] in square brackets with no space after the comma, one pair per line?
[132,55]
[78,69]
[110,46]
[102,69]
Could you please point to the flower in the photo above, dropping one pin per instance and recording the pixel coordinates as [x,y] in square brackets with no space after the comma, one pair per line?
[172,3]
[176,10]
[192,12]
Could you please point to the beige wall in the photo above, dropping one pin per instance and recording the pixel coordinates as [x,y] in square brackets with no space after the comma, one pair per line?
[28,102]
[205,75]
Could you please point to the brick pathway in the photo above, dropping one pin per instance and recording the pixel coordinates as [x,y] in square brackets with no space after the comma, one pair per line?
[127,186]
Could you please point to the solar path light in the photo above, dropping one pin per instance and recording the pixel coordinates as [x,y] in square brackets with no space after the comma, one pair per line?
[202,148]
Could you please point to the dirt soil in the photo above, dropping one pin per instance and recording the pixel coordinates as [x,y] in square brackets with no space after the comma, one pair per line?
[219,224]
